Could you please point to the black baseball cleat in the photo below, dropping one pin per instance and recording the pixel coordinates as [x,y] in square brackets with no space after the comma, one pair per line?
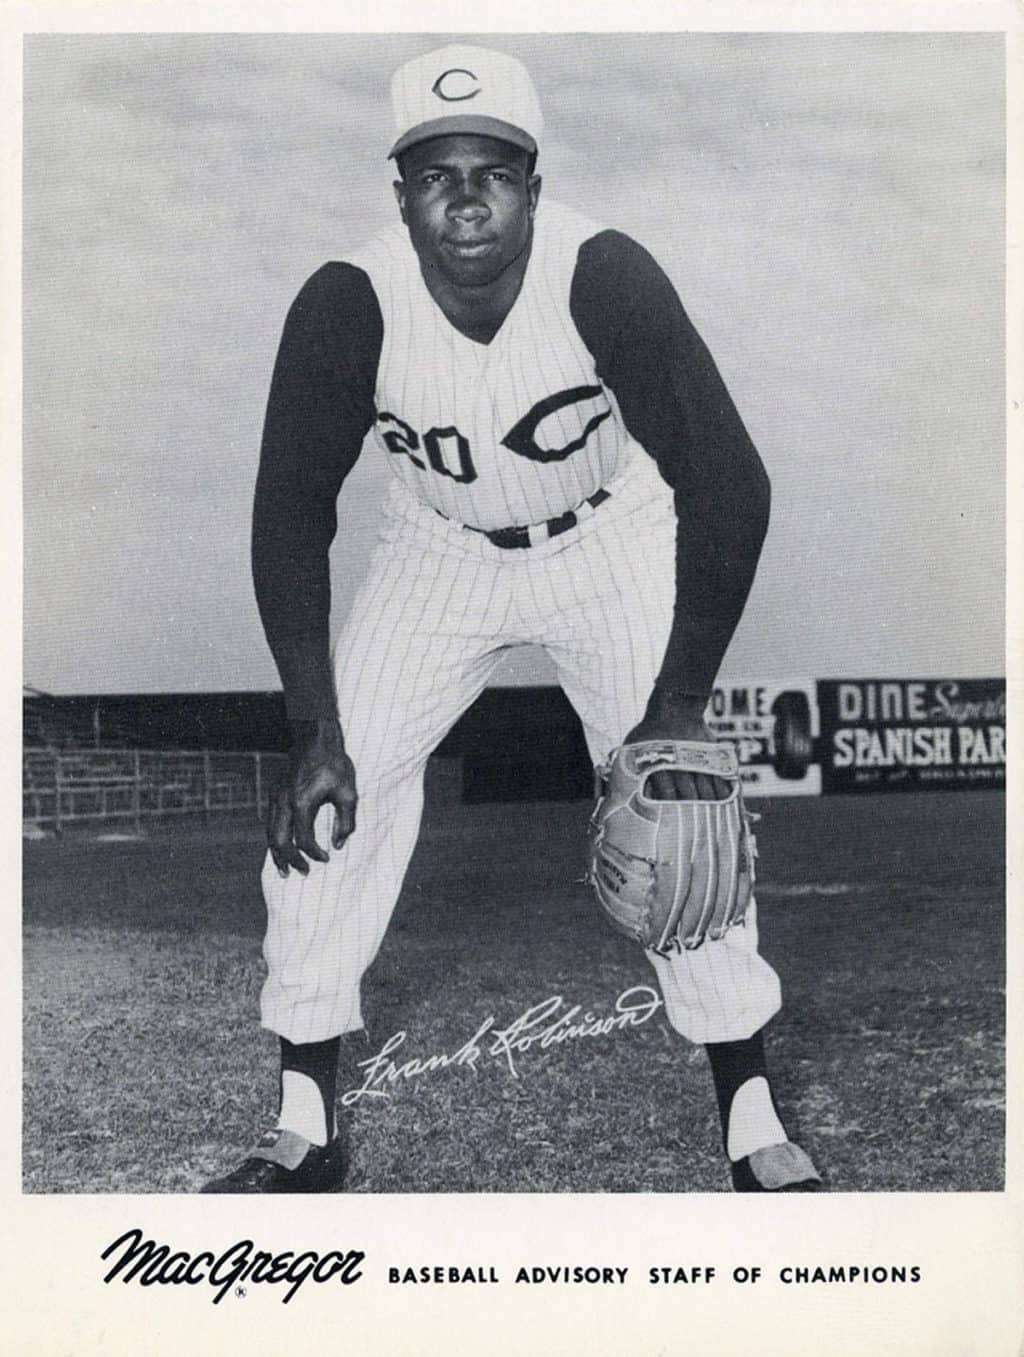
[776,1168]
[286,1162]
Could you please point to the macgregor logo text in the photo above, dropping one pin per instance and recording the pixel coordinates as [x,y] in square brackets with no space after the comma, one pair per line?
[154,1264]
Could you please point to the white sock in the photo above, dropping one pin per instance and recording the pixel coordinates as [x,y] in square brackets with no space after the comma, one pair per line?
[753,1122]
[302,1107]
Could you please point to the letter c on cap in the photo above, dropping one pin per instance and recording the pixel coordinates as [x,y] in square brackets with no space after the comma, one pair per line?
[438,86]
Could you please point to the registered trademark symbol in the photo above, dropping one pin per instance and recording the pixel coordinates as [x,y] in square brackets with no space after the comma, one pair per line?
[240,1292]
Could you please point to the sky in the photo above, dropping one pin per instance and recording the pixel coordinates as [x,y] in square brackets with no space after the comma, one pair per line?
[829,207]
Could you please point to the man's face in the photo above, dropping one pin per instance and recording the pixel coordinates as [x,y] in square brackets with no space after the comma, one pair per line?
[468,202]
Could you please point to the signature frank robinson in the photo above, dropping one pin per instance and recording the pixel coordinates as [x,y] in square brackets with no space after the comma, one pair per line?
[548,1023]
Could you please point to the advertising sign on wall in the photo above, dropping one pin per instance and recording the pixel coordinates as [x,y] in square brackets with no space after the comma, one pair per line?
[774,727]
[912,734]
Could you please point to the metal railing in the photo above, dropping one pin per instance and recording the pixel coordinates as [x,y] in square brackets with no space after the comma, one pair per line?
[70,786]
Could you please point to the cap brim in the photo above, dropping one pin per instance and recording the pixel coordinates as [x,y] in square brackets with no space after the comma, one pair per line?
[474,124]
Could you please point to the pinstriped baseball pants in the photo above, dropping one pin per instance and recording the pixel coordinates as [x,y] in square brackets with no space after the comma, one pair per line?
[424,634]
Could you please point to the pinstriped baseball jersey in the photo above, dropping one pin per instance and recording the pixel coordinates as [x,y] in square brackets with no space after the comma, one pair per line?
[596,352]
[512,432]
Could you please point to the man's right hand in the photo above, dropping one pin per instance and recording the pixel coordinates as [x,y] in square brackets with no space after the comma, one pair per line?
[319,772]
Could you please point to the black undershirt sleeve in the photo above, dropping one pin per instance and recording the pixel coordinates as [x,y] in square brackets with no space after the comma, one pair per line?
[675,404]
[320,408]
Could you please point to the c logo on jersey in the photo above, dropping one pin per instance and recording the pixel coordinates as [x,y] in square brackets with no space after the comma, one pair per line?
[522,438]
[449,453]
[454,86]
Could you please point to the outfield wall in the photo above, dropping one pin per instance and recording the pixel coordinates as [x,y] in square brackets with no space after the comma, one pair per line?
[795,737]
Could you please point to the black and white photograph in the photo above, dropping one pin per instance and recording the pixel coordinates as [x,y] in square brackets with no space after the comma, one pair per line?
[514,667]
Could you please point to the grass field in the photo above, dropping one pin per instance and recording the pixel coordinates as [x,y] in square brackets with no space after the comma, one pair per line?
[145,1070]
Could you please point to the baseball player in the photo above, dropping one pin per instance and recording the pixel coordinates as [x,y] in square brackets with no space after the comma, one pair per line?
[567,470]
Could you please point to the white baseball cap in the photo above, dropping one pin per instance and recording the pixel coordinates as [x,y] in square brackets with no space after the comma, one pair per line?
[465,89]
